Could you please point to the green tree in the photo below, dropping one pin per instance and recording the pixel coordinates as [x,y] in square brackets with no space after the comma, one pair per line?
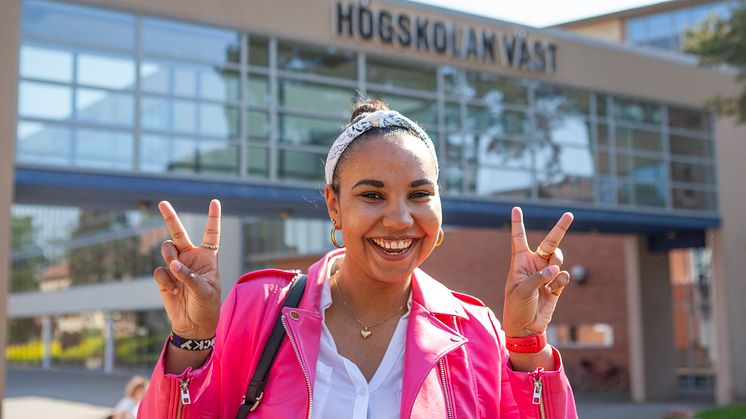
[28,258]
[723,41]
[108,247]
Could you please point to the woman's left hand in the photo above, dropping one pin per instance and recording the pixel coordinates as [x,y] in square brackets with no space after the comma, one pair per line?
[534,282]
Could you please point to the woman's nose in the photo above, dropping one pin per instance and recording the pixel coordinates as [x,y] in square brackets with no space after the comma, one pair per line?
[398,215]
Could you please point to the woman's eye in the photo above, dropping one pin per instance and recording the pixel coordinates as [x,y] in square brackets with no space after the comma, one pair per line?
[421,194]
[372,195]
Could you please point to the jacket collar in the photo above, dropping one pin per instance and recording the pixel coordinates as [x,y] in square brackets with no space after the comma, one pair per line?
[315,282]
[434,296]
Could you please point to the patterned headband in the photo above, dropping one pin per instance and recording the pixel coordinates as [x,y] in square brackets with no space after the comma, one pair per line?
[377,119]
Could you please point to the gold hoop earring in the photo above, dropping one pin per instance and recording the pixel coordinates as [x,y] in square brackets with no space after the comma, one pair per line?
[333,236]
[441,237]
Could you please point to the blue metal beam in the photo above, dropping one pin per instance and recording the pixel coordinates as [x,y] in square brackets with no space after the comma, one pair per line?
[117,191]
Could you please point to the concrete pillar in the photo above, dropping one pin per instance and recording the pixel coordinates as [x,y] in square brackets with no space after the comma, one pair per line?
[46,343]
[723,343]
[728,284]
[652,349]
[231,252]
[9,29]
[634,320]
[108,343]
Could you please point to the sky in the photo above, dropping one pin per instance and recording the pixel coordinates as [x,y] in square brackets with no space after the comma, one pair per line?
[539,13]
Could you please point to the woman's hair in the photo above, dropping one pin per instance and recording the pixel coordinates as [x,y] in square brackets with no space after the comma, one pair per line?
[134,384]
[360,109]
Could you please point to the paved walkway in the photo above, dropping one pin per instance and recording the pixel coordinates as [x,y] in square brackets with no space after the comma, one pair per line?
[76,394]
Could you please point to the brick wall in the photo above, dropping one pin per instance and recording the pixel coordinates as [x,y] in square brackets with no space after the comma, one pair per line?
[476,261]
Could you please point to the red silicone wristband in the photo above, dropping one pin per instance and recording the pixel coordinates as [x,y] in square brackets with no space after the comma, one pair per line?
[527,344]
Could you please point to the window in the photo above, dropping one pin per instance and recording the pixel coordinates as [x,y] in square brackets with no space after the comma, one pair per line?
[392,74]
[329,62]
[494,89]
[182,40]
[585,335]
[63,22]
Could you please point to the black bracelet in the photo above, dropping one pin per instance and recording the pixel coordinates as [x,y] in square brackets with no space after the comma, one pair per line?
[191,344]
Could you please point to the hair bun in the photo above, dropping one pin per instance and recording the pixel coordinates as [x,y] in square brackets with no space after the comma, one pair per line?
[361,109]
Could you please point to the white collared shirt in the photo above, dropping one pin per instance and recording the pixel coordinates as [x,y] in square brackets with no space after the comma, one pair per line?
[340,390]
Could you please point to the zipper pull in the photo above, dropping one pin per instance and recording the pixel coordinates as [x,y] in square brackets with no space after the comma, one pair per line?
[536,396]
[184,392]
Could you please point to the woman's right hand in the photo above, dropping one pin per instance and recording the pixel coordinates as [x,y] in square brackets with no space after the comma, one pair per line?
[190,285]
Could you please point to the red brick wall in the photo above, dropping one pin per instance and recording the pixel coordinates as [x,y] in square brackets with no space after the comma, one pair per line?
[476,261]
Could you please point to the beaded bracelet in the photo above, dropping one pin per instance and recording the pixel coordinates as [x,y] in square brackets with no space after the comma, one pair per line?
[191,344]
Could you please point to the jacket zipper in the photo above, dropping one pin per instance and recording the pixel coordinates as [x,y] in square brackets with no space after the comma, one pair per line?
[184,397]
[445,388]
[536,397]
[302,367]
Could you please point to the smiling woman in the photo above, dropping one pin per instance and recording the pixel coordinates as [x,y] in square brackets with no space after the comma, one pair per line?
[373,335]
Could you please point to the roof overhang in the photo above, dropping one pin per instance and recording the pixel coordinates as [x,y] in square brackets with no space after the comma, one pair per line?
[118,191]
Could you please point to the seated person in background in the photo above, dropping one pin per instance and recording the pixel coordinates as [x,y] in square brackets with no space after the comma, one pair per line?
[133,393]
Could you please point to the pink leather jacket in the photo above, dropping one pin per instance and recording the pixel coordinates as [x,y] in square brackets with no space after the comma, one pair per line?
[455,361]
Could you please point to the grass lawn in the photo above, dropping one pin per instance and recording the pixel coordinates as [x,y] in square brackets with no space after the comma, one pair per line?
[728,412]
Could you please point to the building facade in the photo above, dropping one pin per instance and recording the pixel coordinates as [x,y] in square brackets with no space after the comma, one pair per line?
[115,105]
[660,26]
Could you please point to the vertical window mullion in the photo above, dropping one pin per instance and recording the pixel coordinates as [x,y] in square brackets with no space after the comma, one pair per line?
[138,96]
[611,133]
[362,67]
[533,139]
[441,114]
[594,148]
[273,117]
[243,119]
[667,160]
[73,109]
[462,132]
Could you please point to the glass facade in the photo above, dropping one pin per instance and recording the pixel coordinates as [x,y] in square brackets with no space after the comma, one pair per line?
[267,241]
[666,30]
[139,97]
[59,247]
[55,248]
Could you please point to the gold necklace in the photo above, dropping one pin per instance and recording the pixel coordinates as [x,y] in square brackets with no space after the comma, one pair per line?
[365,332]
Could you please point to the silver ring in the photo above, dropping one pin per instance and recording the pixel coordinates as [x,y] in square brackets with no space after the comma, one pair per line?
[192,274]
[210,246]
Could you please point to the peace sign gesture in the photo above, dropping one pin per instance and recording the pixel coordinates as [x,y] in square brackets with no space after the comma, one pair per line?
[535,281]
[190,285]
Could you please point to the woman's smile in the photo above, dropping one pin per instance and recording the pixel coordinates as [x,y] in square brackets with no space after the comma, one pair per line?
[393,249]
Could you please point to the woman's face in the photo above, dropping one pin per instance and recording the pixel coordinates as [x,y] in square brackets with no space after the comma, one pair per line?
[388,207]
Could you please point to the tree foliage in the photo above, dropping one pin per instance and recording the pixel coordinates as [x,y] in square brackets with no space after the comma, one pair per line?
[723,41]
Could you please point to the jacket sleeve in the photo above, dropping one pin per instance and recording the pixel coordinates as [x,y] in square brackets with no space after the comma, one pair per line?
[194,393]
[556,399]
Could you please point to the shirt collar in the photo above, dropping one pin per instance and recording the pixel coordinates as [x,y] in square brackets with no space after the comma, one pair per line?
[325,300]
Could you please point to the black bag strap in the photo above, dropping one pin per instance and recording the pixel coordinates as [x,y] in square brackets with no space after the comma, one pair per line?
[255,390]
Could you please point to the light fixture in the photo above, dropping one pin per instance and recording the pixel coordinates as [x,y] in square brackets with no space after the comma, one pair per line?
[579,273]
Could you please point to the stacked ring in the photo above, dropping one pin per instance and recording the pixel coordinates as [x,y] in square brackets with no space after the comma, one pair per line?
[542,254]
[210,246]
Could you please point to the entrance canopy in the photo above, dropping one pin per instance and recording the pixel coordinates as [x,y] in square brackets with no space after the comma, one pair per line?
[115,191]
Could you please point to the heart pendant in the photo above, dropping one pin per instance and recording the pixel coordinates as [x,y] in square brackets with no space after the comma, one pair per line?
[365,333]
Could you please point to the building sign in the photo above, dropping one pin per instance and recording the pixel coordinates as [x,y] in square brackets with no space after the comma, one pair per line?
[511,50]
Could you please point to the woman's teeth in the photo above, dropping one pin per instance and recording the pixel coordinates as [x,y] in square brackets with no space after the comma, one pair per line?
[393,247]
